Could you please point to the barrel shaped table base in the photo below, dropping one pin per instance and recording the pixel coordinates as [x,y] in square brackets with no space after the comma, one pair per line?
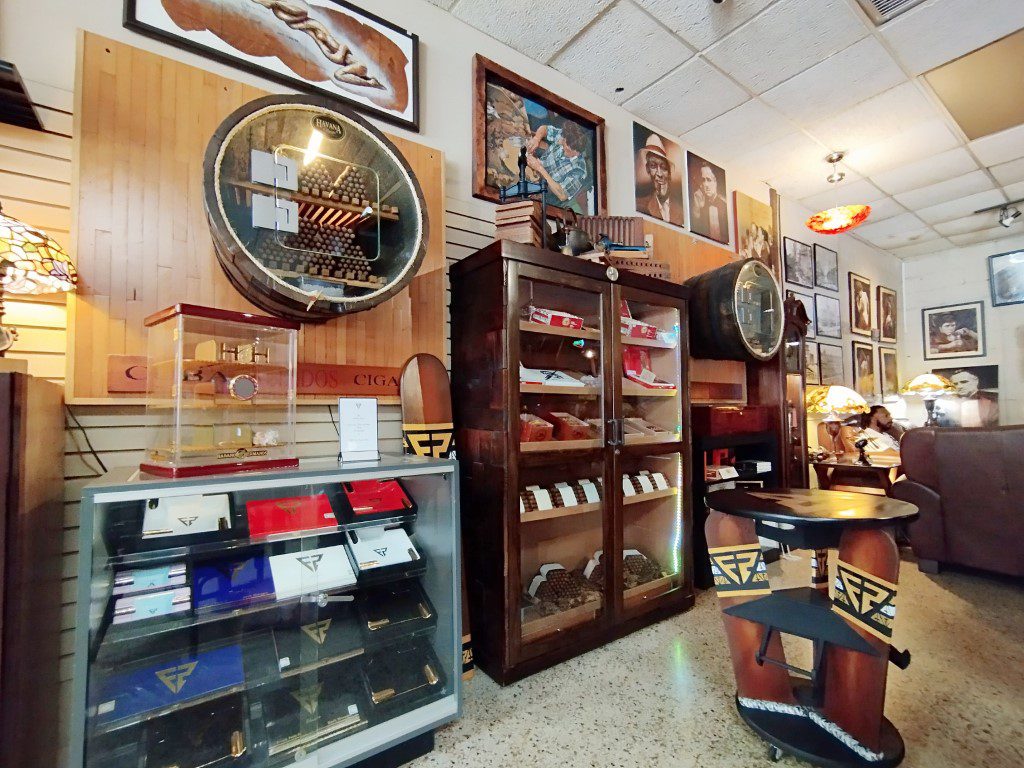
[810,739]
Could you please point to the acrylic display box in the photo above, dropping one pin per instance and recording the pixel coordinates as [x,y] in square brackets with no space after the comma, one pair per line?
[222,388]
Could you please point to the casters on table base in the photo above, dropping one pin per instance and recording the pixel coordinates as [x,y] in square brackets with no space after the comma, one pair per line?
[774,753]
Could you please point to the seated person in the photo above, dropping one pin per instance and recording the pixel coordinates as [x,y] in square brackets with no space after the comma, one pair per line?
[882,432]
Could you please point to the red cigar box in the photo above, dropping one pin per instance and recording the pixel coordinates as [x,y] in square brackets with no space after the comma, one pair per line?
[636,364]
[568,427]
[556,318]
[533,429]
[632,328]
[296,513]
[377,498]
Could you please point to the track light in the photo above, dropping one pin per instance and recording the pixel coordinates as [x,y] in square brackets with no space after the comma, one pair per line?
[1007,215]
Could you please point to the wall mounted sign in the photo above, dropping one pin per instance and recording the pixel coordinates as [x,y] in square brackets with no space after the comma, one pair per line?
[319,45]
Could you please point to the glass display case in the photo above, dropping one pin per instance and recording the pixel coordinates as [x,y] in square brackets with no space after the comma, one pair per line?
[308,617]
[221,386]
[570,392]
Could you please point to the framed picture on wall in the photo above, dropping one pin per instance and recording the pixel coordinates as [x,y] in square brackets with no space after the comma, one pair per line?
[828,317]
[799,261]
[826,268]
[886,307]
[325,46]
[812,367]
[888,372]
[863,368]
[706,196]
[954,330]
[1006,278]
[975,403]
[830,363]
[564,143]
[808,301]
[755,232]
[860,305]
[658,176]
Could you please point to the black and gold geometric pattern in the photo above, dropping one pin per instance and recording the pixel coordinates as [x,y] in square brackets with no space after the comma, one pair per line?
[739,570]
[865,600]
[433,440]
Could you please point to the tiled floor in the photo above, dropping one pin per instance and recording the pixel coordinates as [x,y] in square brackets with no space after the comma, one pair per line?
[663,697]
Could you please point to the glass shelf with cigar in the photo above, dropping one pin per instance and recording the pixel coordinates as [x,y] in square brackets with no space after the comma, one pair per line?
[652,371]
[330,610]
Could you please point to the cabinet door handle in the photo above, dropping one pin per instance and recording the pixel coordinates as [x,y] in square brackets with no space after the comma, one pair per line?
[615,430]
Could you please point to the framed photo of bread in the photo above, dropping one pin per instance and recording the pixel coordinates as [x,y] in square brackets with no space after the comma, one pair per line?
[860,305]
[863,368]
[799,262]
[886,307]
[324,46]
[888,371]
[564,143]
[707,199]
[826,268]
[830,364]
[954,330]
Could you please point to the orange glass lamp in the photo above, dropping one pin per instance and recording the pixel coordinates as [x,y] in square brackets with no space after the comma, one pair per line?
[929,386]
[834,402]
[841,218]
[31,262]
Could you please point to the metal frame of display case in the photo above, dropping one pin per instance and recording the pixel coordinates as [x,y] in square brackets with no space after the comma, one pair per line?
[437,536]
[486,350]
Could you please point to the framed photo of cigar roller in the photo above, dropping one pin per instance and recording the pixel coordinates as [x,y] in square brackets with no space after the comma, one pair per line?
[324,46]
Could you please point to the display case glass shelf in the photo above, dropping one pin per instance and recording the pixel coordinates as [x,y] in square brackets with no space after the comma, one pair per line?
[589,442]
[304,617]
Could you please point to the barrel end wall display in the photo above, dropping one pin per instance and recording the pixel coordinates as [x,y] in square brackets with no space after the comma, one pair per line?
[314,213]
[736,313]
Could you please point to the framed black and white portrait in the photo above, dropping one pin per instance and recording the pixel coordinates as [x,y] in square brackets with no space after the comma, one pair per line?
[799,262]
[812,367]
[828,316]
[707,199]
[888,372]
[954,330]
[1006,278]
[886,307]
[975,399]
[860,305]
[808,301]
[826,268]
[830,363]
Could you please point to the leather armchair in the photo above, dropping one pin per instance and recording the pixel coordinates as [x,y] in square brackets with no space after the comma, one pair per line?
[969,486]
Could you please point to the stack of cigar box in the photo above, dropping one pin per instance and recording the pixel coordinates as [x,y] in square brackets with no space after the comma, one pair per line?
[520,221]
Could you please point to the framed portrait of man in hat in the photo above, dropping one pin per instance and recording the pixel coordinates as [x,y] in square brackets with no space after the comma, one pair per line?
[658,184]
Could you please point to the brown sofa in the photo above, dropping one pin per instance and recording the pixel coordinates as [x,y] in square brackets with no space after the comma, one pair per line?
[969,486]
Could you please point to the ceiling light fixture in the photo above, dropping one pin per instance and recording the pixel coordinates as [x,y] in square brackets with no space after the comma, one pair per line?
[1007,215]
[841,218]
[1007,212]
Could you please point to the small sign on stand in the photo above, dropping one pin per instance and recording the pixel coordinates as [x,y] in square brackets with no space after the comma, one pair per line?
[357,429]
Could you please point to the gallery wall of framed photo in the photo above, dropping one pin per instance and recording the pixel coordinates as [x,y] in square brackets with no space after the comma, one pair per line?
[969,329]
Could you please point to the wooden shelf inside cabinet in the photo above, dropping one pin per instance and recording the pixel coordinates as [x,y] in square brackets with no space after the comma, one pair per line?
[629,389]
[651,589]
[666,437]
[556,446]
[653,343]
[312,201]
[548,625]
[326,279]
[659,494]
[551,514]
[574,333]
[544,389]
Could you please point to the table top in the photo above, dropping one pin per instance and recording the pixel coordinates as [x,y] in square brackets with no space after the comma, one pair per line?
[799,506]
[883,461]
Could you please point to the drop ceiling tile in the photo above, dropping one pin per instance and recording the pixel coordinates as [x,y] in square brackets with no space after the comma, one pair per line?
[956,209]
[1000,147]
[851,190]
[884,208]
[985,235]
[876,119]
[446,4]
[922,249]
[973,223]
[786,39]
[625,48]
[944,191]
[1014,191]
[911,143]
[693,94]
[930,170]
[793,155]
[515,23]
[898,231]
[701,23]
[855,74]
[1009,173]
[739,130]
[942,30]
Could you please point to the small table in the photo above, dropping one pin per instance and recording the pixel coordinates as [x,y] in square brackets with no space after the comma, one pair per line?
[837,719]
[880,473]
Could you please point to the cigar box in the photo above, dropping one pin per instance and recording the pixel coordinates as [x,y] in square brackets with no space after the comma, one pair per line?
[556,318]
[636,364]
[214,734]
[185,516]
[311,570]
[637,329]
[533,429]
[306,712]
[315,636]
[152,605]
[638,568]
[378,547]
[569,427]
[395,609]
[287,515]
[221,585]
[165,681]
[403,675]
[158,578]
[547,377]
[373,499]
[638,426]
[536,499]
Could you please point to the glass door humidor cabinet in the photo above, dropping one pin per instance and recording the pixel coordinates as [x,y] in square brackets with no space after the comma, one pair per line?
[570,395]
[308,617]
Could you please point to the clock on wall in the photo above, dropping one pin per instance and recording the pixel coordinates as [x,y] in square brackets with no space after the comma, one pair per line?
[736,313]
[314,212]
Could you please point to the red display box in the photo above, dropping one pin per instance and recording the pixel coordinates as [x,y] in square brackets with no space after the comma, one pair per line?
[296,513]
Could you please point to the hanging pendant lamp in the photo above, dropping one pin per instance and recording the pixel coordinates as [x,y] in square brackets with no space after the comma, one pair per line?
[841,218]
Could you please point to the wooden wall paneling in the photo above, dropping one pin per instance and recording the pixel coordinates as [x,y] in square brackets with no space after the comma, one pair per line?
[140,230]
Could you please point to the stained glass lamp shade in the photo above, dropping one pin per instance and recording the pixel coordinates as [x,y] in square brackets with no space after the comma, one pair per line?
[929,386]
[836,402]
[839,219]
[30,262]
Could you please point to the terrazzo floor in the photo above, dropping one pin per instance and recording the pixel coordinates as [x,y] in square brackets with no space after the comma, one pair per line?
[663,697]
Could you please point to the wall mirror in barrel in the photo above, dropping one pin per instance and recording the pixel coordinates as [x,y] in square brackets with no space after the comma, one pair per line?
[314,212]
[736,313]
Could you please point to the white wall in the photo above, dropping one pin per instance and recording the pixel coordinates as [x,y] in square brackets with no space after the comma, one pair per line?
[961,275]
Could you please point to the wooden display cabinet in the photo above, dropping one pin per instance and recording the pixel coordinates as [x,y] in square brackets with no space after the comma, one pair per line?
[628,439]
